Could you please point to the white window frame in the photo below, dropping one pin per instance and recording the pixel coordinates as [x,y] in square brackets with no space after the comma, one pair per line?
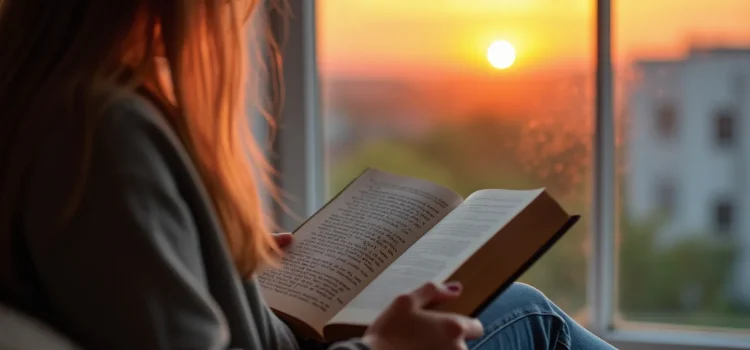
[299,152]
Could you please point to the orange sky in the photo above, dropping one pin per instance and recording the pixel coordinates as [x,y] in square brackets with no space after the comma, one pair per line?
[427,36]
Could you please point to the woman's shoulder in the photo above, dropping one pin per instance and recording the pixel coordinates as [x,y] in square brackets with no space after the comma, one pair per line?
[131,130]
[133,115]
[134,136]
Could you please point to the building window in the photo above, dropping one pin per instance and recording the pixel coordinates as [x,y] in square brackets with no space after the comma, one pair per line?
[724,128]
[666,193]
[666,120]
[724,216]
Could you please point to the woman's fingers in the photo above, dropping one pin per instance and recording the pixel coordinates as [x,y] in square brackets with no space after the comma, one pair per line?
[431,293]
[449,291]
[457,326]
[474,328]
[407,325]
[283,239]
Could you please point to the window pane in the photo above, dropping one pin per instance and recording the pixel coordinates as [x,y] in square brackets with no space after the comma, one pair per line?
[470,94]
[684,106]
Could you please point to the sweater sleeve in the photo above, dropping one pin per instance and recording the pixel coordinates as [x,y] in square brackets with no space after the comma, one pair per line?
[125,272]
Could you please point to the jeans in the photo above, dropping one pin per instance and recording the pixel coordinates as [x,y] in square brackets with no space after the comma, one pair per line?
[523,318]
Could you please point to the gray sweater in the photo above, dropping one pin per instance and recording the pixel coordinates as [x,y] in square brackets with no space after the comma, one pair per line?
[143,263]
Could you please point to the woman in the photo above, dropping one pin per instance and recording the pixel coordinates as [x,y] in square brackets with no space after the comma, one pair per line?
[129,216]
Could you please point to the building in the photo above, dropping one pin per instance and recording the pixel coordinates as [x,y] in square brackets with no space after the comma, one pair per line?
[689,150]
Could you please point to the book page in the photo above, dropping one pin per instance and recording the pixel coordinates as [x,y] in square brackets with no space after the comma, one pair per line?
[343,247]
[439,252]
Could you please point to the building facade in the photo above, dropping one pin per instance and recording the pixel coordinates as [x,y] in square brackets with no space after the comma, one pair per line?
[688,151]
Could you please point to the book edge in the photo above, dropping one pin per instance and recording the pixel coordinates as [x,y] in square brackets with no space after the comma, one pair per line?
[572,220]
[299,325]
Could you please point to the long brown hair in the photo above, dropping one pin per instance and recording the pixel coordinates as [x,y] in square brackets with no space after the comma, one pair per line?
[75,53]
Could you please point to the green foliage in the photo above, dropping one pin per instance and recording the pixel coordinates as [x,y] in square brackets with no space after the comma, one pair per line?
[686,277]
[393,157]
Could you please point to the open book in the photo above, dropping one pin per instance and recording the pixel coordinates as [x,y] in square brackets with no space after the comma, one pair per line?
[385,235]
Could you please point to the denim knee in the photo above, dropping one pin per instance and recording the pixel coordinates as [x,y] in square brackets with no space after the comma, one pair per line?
[522,318]
[529,294]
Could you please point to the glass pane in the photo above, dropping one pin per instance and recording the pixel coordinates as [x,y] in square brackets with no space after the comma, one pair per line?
[470,94]
[683,102]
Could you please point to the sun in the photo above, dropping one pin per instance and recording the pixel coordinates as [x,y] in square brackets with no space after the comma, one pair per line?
[501,54]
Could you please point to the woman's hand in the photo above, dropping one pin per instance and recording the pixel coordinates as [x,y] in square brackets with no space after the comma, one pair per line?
[283,239]
[406,324]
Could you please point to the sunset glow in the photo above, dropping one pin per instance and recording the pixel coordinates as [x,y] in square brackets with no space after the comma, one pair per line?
[501,54]
[421,37]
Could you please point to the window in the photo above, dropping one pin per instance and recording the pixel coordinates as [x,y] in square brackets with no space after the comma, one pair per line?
[724,217]
[666,118]
[383,63]
[666,193]
[724,128]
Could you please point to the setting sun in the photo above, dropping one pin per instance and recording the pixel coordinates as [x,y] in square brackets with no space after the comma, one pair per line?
[501,54]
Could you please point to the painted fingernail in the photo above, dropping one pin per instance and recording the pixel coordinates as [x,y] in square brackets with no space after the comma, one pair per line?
[453,286]
[284,239]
